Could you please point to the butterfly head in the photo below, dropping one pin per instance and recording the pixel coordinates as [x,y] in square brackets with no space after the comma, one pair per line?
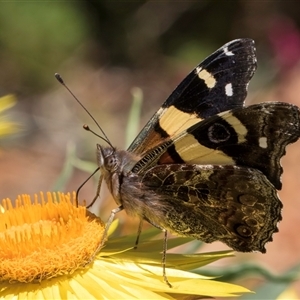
[107,159]
[111,160]
[114,164]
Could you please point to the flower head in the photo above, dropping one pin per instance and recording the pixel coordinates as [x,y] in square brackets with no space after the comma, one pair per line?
[47,251]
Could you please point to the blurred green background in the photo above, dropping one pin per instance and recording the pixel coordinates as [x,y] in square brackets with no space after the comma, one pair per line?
[103,49]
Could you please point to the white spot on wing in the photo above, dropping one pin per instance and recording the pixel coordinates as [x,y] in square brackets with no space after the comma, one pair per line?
[227,52]
[263,142]
[198,70]
[228,90]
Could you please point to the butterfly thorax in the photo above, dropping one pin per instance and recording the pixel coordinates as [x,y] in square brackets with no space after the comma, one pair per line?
[114,165]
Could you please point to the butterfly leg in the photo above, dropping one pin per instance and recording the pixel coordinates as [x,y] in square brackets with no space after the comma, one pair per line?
[164,258]
[164,253]
[98,190]
[138,234]
[108,223]
[165,247]
[103,239]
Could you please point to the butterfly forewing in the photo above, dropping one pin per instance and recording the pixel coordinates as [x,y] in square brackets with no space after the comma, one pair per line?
[242,136]
[217,84]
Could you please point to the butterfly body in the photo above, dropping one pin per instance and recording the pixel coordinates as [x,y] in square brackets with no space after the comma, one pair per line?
[207,166]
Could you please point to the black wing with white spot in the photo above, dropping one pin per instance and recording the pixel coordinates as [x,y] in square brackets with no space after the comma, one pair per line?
[217,84]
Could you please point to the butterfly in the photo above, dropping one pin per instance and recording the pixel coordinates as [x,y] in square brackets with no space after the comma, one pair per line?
[205,165]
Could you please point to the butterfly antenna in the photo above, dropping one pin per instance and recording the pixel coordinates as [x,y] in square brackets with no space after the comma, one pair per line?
[87,128]
[81,186]
[105,138]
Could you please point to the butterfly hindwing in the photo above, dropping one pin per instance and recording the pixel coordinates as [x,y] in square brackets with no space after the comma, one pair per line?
[232,204]
[217,84]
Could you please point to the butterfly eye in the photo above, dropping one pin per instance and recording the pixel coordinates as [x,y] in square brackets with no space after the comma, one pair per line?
[111,162]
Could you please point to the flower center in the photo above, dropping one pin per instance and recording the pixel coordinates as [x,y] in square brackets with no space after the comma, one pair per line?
[43,240]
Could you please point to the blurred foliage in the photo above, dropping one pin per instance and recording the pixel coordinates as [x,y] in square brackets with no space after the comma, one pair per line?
[38,36]
[34,37]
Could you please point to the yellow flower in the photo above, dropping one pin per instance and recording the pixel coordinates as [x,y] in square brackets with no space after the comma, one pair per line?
[7,127]
[47,251]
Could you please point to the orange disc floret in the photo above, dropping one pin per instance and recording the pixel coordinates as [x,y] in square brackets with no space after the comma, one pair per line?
[47,238]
